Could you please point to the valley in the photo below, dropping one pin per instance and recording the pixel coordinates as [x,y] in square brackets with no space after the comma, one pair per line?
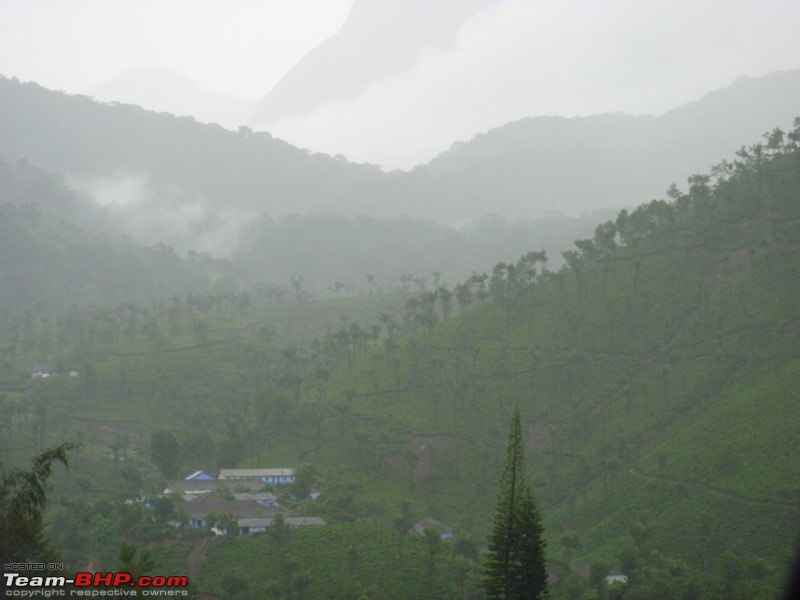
[654,361]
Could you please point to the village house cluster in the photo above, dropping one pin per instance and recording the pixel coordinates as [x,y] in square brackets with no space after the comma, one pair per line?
[249,497]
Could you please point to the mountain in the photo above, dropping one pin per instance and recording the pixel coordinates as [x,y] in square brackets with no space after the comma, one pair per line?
[192,186]
[199,163]
[186,180]
[521,170]
[334,252]
[161,179]
[573,164]
[657,376]
[395,33]
[55,265]
[164,90]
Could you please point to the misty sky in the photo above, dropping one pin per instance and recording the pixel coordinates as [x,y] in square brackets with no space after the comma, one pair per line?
[516,58]
[237,47]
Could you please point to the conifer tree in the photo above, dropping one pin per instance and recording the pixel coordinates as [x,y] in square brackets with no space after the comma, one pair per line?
[515,568]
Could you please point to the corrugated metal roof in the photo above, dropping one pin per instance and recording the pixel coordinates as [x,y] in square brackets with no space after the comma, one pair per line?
[290,521]
[254,473]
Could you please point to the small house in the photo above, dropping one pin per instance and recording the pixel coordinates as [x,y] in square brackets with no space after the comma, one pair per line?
[197,509]
[295,522]
[616,576]
[444,531]
[199,476]
[263,498]
[266,476]
[250,526]
[42,372]
[190,488]
[253,525]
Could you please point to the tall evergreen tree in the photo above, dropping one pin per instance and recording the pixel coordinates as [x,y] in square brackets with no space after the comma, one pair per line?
[515,568]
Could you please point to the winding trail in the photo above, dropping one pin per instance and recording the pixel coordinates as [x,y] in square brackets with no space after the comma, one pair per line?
[196,557]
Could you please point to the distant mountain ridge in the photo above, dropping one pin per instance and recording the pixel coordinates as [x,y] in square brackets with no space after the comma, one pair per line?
[188,185]
[46,261]
[521,170]
[183,164]
[165,90]
[572,164]
[340,68]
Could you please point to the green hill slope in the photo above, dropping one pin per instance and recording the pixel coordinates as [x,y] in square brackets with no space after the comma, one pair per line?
[270,207]
[657,376]
[47,263]
[199,163]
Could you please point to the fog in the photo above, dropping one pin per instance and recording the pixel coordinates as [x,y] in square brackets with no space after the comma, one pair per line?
[151,214]
[238,48]
[510,60]
[521,59]
[181,295]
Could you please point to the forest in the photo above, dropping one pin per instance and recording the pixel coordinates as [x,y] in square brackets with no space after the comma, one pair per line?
[654,365]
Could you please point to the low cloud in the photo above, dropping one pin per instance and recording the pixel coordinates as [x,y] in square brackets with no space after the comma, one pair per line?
[149,214]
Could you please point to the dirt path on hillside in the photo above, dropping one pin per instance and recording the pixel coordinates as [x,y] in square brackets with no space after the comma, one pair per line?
[196,557]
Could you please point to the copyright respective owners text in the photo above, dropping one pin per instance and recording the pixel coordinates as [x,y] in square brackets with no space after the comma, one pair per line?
[49,580]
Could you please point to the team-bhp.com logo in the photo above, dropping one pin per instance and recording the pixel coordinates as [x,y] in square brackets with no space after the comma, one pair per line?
[93,585]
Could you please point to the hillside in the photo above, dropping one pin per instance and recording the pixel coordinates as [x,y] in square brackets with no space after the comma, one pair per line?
[333,255]
[183,163]
[657,376]
[53,264]
[161,180]
[169,91]
[541,163]
[188,173]
[364,253]
[657,373]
